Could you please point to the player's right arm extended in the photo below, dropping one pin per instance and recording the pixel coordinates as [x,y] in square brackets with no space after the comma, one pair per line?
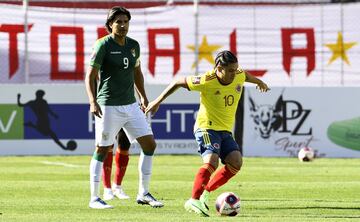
[170,89]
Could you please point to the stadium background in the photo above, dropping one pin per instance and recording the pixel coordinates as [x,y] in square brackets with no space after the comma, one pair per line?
[308,52]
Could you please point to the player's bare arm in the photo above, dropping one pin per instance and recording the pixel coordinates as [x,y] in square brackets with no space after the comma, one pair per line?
[90,83]
[174,85]
[259,83]
[139,85]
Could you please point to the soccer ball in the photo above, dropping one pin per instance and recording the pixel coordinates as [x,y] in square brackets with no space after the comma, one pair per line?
[71,145]
[306,154]
[227,204]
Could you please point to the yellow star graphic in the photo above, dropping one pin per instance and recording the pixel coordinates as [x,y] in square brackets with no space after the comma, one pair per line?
[339,49]
[205,51]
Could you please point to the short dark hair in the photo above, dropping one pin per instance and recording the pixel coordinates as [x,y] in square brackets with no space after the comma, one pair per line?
[114,11]
[225,58]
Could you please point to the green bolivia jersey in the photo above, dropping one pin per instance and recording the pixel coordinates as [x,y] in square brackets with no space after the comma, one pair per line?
[116,64]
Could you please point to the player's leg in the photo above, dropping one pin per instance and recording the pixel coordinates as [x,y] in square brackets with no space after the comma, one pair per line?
[232,159]
[232,166]
[138,128]
[210,163]
[209,146]
[105,130]
[96,166]
[233,162]
[202,177]
[106,175]
[121,162]
[144,196]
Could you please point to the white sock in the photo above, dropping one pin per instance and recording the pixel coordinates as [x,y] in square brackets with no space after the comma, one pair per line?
[95,175]
[145,169]
[115,186]
[108,190]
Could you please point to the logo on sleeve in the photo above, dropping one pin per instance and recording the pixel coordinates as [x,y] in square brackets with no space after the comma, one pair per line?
[196,80]
[133,52]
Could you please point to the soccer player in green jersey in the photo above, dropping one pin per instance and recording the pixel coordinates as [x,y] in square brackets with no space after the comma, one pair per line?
[115,60]
[220,90]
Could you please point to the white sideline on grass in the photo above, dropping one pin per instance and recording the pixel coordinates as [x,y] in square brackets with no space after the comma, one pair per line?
[62,164]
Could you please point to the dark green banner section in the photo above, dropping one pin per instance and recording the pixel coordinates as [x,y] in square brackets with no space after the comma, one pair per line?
[11,122]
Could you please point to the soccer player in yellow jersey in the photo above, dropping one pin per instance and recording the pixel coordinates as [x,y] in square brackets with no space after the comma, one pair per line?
[220,90]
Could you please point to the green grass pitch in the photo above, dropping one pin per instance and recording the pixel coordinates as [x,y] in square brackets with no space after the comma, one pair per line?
[56,188]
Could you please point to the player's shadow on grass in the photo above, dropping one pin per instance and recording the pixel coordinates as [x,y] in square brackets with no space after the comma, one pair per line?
[308,216]
[318,207]
[295,200]
[311,207]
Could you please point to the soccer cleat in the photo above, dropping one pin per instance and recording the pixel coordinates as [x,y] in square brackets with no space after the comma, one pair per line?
[99,204]
[204,198]
[148,199]
[119,193]
[196,206]
[108,194]
[345,133]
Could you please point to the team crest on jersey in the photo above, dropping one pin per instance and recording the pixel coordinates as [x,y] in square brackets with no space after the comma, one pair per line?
[196,80]
[238,88]
[240,70]
[133,52]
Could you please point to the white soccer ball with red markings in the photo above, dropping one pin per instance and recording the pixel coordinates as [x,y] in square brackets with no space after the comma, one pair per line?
[228,204]
[306,154]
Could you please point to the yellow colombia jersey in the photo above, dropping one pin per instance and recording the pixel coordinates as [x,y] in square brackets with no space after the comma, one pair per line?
[218,102]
